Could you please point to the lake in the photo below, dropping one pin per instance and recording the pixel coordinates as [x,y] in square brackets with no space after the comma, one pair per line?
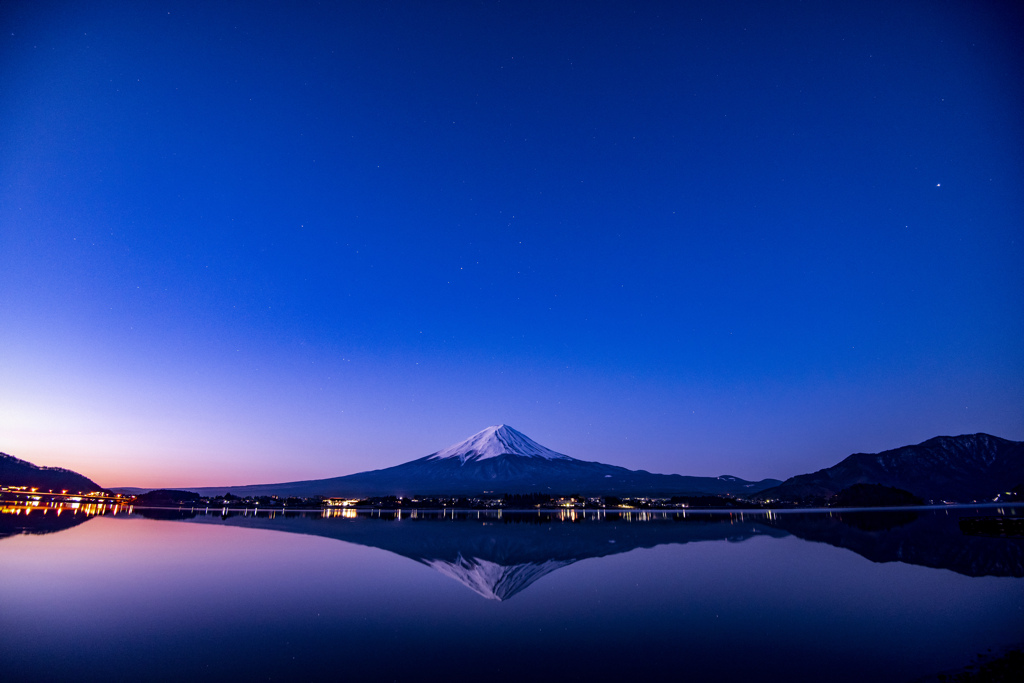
[566,595]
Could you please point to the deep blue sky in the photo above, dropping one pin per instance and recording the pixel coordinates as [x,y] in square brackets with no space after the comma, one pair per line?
[255,242]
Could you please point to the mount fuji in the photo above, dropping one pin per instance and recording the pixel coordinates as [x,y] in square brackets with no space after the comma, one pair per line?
[500,460]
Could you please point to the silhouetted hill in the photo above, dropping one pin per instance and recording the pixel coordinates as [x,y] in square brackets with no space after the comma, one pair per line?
[15,472]
[166,497]
[971,467]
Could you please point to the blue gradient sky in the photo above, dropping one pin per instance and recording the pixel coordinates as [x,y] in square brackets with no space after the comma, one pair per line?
[257,242]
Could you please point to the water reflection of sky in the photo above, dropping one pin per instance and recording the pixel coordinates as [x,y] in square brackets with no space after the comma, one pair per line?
[138,598]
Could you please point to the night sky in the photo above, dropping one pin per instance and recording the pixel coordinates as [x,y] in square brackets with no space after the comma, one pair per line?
[253,242]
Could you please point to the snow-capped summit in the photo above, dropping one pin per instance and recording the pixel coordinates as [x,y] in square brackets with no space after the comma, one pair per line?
[494,442]
[492,580]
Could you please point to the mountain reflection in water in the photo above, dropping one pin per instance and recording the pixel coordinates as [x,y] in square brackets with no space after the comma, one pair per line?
[499,554]
[172,595]
[16,519]
[929,538]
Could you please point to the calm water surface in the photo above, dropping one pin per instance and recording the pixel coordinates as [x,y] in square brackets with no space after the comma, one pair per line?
[849,596]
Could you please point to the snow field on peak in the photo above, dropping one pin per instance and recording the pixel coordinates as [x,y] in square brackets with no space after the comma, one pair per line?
[496,441]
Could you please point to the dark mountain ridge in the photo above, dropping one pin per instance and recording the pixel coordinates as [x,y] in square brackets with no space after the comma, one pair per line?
[970,467]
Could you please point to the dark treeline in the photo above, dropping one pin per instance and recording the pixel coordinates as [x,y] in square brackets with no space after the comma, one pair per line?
[701,502]
[526,499]
[860,495]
